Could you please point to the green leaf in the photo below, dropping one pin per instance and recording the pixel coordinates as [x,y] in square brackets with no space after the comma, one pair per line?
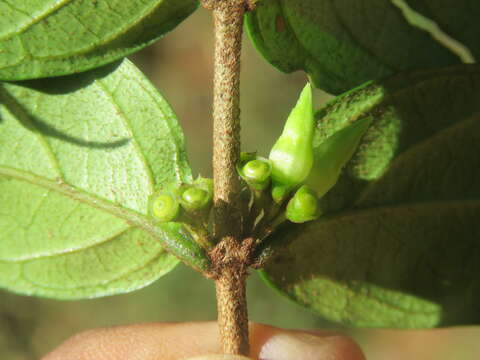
[398,246]
[342,44]
[460,20]
[42,38]
[79,158]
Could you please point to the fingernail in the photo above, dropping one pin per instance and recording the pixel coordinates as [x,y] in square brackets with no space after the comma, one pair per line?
[220,357]
[294,346]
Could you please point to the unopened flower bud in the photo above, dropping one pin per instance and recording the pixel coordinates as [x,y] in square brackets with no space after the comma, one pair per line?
[164,206]
[303,206]
[292,154]
[257,173]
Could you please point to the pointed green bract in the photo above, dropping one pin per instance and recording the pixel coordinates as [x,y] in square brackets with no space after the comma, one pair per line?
[42,38]
[342,44]
[332,155]
[397,242]
[292,155]
[79,158]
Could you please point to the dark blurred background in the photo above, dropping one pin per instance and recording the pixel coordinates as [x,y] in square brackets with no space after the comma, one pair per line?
[180,65]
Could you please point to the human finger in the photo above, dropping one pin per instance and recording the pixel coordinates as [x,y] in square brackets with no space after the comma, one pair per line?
[179,341]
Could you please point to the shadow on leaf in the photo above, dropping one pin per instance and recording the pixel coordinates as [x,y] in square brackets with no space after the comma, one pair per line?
[62,85]
[398,246]
[33,123]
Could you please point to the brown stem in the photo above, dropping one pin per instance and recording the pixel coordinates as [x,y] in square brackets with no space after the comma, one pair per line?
[230,263]
[232,311]
[228,20]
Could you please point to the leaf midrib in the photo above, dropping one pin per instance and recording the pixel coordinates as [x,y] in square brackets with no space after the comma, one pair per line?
[64,3]
[133,218]
[103,284]
[50,9]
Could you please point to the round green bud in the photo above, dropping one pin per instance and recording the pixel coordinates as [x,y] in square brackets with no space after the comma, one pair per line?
[195,199]
[280,193]
[257,170]
[165,207]
[303,206]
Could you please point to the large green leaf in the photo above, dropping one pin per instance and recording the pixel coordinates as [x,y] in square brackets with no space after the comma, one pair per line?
[398,246]
[79,157]
[342,43]
[41,38]
[459,19]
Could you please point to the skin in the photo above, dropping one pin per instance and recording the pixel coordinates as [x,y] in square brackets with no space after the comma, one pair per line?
[180,341]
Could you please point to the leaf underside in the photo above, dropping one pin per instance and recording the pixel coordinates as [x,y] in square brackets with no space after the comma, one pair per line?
[342,44]
[459,21]
[398,246]
[79,157]
[43,38]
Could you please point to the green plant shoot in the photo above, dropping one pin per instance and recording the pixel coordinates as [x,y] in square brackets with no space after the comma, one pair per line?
[292,154]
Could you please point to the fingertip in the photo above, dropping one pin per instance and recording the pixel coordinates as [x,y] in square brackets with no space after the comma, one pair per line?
[270,343]
[220,357]
[166,341]
[186,340]
[343,347]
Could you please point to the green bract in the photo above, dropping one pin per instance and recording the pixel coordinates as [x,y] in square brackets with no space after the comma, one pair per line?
[292,154]
[332,155]
[303,206]
[165,206]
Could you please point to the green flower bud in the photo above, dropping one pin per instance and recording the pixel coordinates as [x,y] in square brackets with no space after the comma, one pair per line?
[332,155]
[257,170]
[257,173]
[292,154]
[164,206]
[194,199]
[280,193]
[197,196]
[303,206]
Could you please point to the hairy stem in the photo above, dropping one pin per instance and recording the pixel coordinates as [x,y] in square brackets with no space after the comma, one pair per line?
[229,262]
[228,19]
[232,311]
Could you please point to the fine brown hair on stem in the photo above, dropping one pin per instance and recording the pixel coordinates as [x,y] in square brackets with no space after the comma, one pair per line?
[229,258]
